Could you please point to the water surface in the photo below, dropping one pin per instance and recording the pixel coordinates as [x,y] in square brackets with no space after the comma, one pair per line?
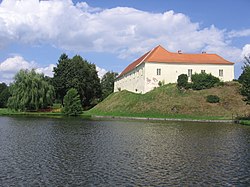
[76,152]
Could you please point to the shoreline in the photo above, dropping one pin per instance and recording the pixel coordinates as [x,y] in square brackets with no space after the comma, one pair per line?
[110,117]
[163,119]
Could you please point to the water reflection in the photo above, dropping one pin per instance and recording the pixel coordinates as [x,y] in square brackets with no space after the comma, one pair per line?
[61,152]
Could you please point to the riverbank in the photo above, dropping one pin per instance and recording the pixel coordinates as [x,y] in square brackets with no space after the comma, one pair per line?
[146,117]
[164,119]
[123,116]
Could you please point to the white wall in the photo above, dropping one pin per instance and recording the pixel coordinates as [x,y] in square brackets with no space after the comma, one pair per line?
[132,81]
[170,72]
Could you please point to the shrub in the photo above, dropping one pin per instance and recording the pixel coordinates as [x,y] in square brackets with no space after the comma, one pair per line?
[213,99]
[161,83]
[182,81]
[72,103]
[220,84]
[203,81]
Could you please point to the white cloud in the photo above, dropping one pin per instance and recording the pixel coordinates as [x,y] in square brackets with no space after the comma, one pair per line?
[14,64]
[48,71]
[128,32]
[245,51]
[10,66]
[101,71]
[241,33]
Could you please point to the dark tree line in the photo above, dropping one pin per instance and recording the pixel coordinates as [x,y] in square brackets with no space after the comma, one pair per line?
[4,95]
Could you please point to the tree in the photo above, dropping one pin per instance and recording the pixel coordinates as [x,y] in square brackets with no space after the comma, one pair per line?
[30,91]
[107,83]
[79,74]
[244,79]
[60,76]
[72,103]
[4,95]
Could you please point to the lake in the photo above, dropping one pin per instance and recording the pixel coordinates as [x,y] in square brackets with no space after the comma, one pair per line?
[78,152]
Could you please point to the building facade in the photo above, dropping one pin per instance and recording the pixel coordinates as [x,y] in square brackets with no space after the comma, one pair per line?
[159,64]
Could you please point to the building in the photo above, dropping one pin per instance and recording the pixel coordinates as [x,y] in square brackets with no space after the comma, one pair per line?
[159,64]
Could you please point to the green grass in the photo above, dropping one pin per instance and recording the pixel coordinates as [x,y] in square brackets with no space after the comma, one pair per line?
[5,111]
[245,122]
[8,112]
[168,102]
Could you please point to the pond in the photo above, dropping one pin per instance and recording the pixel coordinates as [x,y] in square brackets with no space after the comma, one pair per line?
[77,152]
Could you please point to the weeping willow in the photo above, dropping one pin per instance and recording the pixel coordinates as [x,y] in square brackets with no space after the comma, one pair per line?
[30,91]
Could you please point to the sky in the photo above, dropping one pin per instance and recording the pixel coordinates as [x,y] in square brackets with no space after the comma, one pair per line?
[113,33]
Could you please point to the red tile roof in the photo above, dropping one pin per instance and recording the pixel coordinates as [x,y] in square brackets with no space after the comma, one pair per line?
[161,55]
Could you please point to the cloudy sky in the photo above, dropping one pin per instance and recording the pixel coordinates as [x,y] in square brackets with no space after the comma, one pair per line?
[112,33]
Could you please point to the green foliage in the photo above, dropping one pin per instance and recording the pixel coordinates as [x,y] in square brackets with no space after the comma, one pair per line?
[79,74]
[3,86]
[182,81]
[30,91]
[244,79]
[60,77]
[203,81]
[213,99]
[245,122]
[4,95]
[72,103]
[107,84]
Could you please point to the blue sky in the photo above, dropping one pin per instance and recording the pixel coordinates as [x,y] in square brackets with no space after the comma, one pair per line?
[112,33]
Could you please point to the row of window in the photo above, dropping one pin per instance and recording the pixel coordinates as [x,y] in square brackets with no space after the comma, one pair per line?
[158,72]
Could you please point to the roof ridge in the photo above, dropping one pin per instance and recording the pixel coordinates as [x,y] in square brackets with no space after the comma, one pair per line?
[147,56]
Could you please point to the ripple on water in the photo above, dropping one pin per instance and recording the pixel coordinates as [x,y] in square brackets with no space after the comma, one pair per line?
[74,152]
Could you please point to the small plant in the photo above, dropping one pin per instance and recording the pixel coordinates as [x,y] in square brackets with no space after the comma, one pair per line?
[213,99]
[72,103]
[161,83]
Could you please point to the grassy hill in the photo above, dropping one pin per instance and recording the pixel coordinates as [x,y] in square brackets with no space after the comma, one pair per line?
[168,102]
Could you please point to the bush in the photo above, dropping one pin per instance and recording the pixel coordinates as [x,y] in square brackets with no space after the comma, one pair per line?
[213,99]
[204,81]
[161,83]
[182,81]
[72,103]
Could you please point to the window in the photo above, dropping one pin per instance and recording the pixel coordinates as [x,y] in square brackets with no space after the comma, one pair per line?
[203,71]
[189,72]
[221,72]
[158,71]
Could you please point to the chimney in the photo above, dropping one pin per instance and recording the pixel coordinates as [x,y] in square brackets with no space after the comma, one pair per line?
[179,52]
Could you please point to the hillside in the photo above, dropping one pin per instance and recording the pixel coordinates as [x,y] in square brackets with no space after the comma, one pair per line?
[168,101]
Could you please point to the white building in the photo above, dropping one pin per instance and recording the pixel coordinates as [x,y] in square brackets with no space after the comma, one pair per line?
[159,64]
